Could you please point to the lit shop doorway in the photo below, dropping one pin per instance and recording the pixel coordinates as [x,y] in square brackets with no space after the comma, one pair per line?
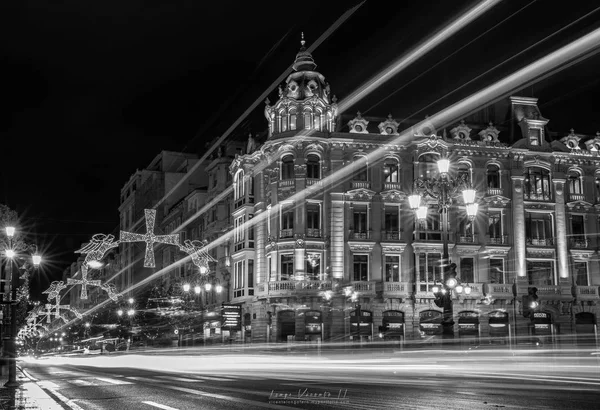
[313,326]
[287,325]
[392,326]
[499,327]
[585,328]
[361,325]
[430,325]
[468,328]
[543,327]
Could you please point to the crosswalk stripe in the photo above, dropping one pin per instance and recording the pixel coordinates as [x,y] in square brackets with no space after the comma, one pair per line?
[82,382]
[113,381]
[181,379]
[160,406]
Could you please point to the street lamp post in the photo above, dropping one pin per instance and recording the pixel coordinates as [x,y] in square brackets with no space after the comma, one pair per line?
[11,252]
[444,189]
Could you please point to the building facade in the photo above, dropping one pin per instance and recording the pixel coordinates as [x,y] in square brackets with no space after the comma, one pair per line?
[325,246]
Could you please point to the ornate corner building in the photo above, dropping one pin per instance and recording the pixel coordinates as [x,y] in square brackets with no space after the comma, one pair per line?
[325,246]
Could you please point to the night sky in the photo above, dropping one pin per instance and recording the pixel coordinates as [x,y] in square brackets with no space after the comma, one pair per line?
[93,91]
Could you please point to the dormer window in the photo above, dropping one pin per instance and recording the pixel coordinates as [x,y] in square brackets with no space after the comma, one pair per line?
[535,136]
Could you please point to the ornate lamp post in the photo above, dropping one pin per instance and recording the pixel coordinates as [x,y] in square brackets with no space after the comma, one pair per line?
[12,249]
[444,189]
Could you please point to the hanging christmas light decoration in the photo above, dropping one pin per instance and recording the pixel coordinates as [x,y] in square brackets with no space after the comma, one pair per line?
[199,254]
[111,290]
[54,290]
[84,282]
[96,249]
[149,237]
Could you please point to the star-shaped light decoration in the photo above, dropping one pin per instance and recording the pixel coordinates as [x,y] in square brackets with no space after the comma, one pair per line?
[149,237]
[199,254]
[84,282]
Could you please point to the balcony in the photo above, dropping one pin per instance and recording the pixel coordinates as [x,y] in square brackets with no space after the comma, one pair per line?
[554,292]
[494,191]
[287,287]
[540,241]
[243,201]
[578,242]
[576,197]
[396,289]
[476,292]
[532,196]
[313,233]
[312,181]
[466,238]
[427,235]
[498,290]
[364,288]
[286,233]
[584,293]
[361,184]
[388,186]
[390,235]
[287,182]
[498,240]
[360,235]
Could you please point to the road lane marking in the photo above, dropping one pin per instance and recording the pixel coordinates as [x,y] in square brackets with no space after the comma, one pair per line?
[160,406]
[181,379]
[113,381]
[82,382]
[262,404]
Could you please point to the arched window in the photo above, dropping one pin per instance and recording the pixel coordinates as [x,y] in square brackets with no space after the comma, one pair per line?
[428,166]
[317,121]
[493,176]
[287,167]
[574,181]
[283,116]
[307,119]
[293,114]
[597,183]
[238,182]
[537,184]
[464,172]
[391,170]
[313,166]
[361,172]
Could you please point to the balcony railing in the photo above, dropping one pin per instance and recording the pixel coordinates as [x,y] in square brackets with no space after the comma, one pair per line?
[586,293]
[493,191]
[554,292]
[498,240]
[313,233]
[287,182]
[286,233]
[540,241]
[312,181]
[576,197]
[364,287]
[578,242]
[361,184]
[286,287]
[532,196]
[391,185]
[426,235]
[396,289]
[498,290]
[466,238]
[391,235]
[360,235]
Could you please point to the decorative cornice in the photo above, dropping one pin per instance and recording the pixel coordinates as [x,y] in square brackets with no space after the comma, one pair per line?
[392,247]
[361,246]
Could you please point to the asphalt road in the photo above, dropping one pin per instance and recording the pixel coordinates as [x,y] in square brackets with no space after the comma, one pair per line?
[419,381]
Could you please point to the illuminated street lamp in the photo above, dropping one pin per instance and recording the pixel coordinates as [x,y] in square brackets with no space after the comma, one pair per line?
[11,250]
[186,287]
[444,189]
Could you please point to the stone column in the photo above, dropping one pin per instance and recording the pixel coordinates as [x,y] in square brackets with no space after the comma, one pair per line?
[518,211]
[562,255]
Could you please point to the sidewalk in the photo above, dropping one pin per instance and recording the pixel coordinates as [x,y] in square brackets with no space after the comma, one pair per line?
[29,396]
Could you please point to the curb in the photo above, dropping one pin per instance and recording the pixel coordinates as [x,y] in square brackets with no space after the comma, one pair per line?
[44,397]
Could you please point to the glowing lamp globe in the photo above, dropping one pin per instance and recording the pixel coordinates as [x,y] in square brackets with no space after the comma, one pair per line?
[443,165]
[10,253]
[10,231]
[186,287]
[414,201]
[469,195]
[197,289]
[459,289]
[203,269]
[451,283]
[37,259]
[208,287]
[467,290]
[219,288]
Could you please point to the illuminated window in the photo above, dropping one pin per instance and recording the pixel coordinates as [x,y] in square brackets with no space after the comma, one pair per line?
[287,267]
[493,176]
[287,167]
[391,171]
[392,268]
[360,268]
[430,270]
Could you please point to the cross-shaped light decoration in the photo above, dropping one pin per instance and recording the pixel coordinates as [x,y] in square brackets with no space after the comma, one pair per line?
[199,254]
[48,312]
[54,290]
[100,244]
[84,282]
[149,238]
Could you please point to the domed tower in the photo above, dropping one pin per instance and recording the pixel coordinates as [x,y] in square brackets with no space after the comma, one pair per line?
[305,103]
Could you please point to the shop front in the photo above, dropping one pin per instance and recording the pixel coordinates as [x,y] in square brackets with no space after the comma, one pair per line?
[430,324]
[231,322]
[392,325]
[585,329]
[542,327]
[499,327]
[286,324]
[468,327]
[313,326]
[361,325]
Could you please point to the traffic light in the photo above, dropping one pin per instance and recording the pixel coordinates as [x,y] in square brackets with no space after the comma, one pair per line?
[530,302]
[450,278]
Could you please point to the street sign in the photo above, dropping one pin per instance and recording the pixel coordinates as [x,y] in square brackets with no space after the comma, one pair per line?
[231,317]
